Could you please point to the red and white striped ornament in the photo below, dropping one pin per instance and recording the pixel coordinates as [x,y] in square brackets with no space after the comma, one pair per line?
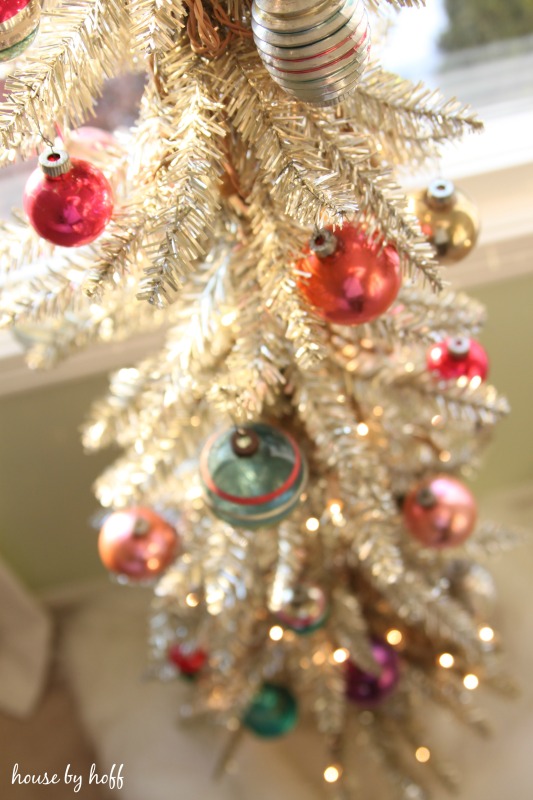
[316,50]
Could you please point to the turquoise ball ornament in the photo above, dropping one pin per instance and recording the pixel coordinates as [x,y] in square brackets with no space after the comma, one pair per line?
[273,712]
[253,475]
[19,24]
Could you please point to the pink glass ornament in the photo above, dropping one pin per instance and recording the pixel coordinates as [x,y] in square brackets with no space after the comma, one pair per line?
[458,356]
[137,543]
[352,280]
[302,608]
[189,662]
[440,511]
[71,208]
[87,141]
[366,689]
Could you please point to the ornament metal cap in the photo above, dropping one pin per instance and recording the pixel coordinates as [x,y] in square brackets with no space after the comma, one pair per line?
[245,442]
[54,162]
[141,527]
[440,193]
[459,346]
[426,498]
[323,243]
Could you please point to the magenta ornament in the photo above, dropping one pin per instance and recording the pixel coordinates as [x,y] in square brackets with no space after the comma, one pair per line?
[369,690]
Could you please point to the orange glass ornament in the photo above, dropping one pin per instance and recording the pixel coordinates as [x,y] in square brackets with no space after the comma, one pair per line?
[351,278]
[440,511]
[137,543]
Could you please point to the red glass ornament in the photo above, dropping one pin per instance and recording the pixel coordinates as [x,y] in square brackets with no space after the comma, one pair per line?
[440,511]
[19,24]
[189,662]
[352,280]
[369,690]
[10,8]
[71,208]
[458,356]
[137,543]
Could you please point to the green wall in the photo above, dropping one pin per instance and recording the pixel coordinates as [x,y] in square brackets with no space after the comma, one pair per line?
[45,484]
[508,337]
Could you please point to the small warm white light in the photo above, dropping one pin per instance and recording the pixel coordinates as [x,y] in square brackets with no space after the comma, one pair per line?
[229,318]
[312,524]
[436,421]
[471,681]
[394,637]
[423,754]
[377,411]
[319,658]
[276,633]
[192,600]
[486,634]
[445,456]
[195,422]
[462,381]
[446,660]
[335,508]
[409,367]
[476,381]
[340,655]
[349,350]
[332,774]
[362,429]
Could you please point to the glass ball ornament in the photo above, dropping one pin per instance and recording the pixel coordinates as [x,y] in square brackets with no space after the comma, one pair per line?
[137,544]
[351,278]
[189,661]
[316,51]
[273,711]
[253,476]
[19,25]
[440,511]
[302,608]
[457,357]
[67,201]
[367,689]
[448,218]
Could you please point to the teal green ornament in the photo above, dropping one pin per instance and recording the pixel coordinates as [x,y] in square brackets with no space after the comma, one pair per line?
[253,475]
[273,712]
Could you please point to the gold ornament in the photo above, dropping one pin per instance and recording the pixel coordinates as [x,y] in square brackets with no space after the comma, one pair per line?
[448,218]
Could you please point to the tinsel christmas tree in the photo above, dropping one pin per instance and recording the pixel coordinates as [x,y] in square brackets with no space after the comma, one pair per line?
[293,455]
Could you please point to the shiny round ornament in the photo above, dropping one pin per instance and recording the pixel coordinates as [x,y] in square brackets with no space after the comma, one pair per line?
[67,201]
[302,608]
[440,511]
[273,712]
[137,544]
[316,50]
[457,357]
[369,690]
[19,24]
[473,586]
[352,279]
[188,661]
[253,476]
[448,218]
